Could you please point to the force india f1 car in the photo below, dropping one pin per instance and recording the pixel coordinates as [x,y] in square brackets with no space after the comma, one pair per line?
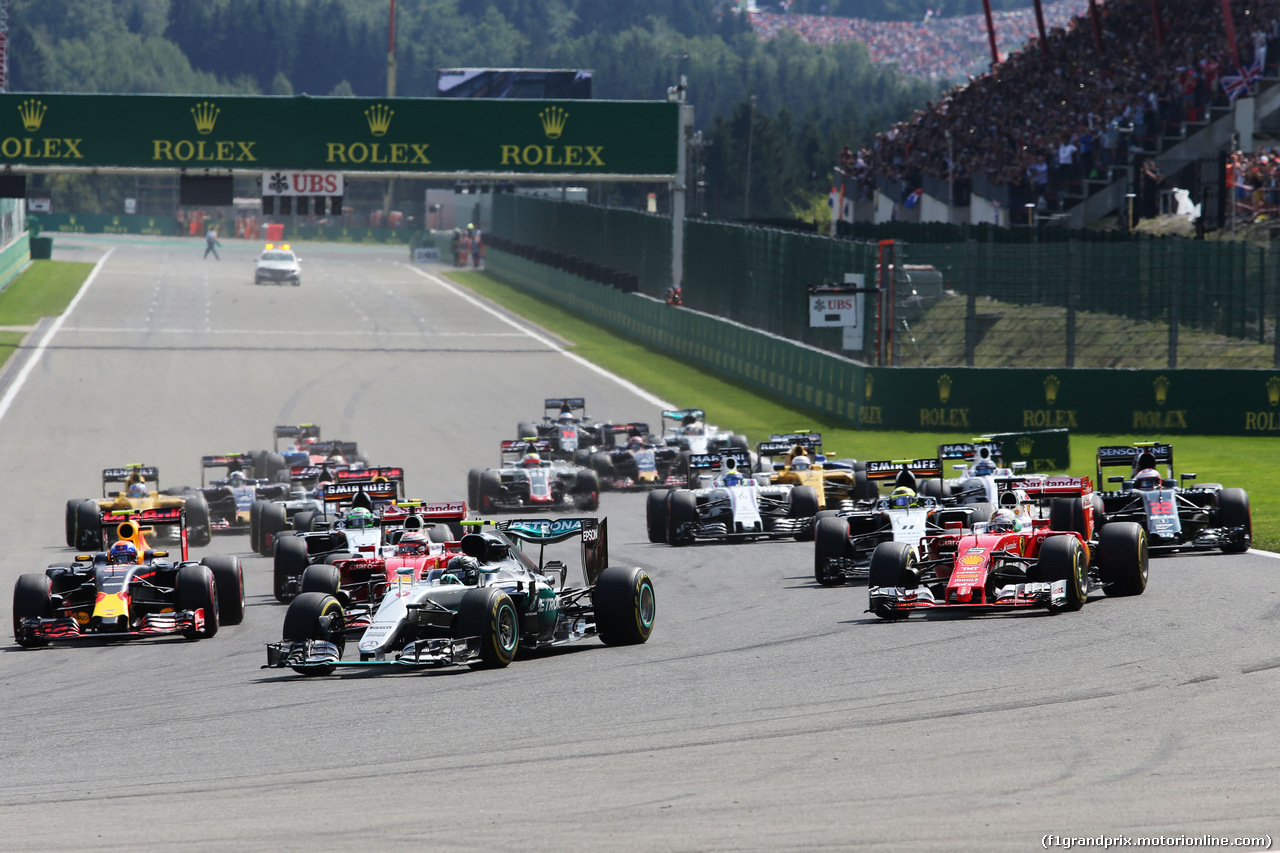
[129,589]
[845,540]
[142,491]
[1014,560]
[483,607]
[528,481]
[730,506]
[1175,518]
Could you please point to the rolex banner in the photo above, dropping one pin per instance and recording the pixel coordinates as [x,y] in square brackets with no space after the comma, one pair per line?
[329,135]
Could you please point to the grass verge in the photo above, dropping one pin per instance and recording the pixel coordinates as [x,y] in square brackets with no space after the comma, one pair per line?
[43,290]
[1233,461]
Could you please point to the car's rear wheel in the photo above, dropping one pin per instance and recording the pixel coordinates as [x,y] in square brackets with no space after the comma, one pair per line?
[655,515]
[830,542]
[625,605]
[196,589]
[228,577]
[803,505]
[586,490]
[1122,558]
[602,463]
[198,531]
[489,614]
[290,561]
[72,506]
[32,596]
[255,526]
[892,565]
[1067,515]
[271,524]
[1062,559]
[473,488]
[1233,511]
[315,616]
[88,526]
[682,517]
[321,577]
[302,521]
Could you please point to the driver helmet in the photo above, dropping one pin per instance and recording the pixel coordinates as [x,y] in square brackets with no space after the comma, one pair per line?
[635,442]
[801,463]
[137,489]
[902,497]
[531,460]
[411,544]
[123,552]
[567,418]
[1004,521]
[1147,478]
[732,479]
[984,468]
[359,518]
[465,569]
[237,479]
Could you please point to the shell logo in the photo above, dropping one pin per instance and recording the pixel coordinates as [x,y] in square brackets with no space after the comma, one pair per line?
[971,560]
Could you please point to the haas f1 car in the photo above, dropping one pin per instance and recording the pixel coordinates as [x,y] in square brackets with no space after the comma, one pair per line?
[528,481]
[1175,517]
[129,589]
[480,608]
[1017,559]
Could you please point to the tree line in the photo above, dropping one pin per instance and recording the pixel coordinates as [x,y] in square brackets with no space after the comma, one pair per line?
[794,105]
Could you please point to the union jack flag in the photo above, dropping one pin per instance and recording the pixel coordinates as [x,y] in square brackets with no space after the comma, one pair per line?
[1238,85]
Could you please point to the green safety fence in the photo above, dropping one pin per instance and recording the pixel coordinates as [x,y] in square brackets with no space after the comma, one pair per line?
[14,258]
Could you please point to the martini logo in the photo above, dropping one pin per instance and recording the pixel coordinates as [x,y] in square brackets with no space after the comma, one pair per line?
[206,116]
[553,119]
[379,118]
[32,113]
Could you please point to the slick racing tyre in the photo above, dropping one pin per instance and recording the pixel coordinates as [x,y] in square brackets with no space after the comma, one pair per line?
[803,505]
[625,605]
[31,600]
[489,614]
[893,564]
[255,526]
[830,542]
[271,523]
[72,506]
[655,513]
[1233,511]
[321,577]
[1062,559]
[602,463]
[1067,515]
[489,490]
[88,526]
[228,578]
[315,616]
[682,517]
[301,522]
[196,589]
[290,561]
[1122,558]
[198,531]
[473,488]
[527,429]
[586,490]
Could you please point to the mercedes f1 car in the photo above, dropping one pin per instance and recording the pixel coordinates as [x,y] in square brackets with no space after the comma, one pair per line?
[1175,517]
[528,481]
[129,589]
[1014,560]
[845,540]
[142,491]
[730,504]
[688,430]
[481,608]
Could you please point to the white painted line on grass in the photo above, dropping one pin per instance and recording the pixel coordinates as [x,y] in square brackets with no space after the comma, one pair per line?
[547,342]
[21,378]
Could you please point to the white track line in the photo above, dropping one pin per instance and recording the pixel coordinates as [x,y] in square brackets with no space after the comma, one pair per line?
[1272,554]
[547,342]
[312,333]
[18,382]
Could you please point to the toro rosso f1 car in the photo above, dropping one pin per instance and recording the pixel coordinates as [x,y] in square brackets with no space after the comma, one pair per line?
[130,589]
[485,605]
[1175,517]
[1014,560]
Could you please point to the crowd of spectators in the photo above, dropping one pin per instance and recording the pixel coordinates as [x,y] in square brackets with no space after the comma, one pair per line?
[1040,122]
[937,47]
[1255,182]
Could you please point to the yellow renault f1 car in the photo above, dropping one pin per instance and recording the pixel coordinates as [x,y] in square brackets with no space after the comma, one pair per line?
[840,484]
[129,589]
[141,491]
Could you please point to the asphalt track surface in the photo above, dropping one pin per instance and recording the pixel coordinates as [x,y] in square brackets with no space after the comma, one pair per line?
[765,713]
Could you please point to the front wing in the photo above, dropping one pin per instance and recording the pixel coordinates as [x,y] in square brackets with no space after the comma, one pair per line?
[901,600]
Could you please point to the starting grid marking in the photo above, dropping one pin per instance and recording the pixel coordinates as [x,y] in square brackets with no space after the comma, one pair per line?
[106,330]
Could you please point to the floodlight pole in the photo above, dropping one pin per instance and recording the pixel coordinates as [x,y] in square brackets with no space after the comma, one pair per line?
[391,93]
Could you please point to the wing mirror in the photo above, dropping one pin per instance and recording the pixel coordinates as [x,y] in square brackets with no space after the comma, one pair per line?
[1188,475]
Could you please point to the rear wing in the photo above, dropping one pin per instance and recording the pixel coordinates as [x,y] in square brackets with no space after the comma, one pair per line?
[548,531]
[344,493]
[298,433]
[1048,487]
[678,415]
[716,461]
[971,451]
[345,449]
[781,444]
[430,511]
[230,461]
[521,446]
[111,522]
[566,404]
[133,472]
[888,469]
[1153,452]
